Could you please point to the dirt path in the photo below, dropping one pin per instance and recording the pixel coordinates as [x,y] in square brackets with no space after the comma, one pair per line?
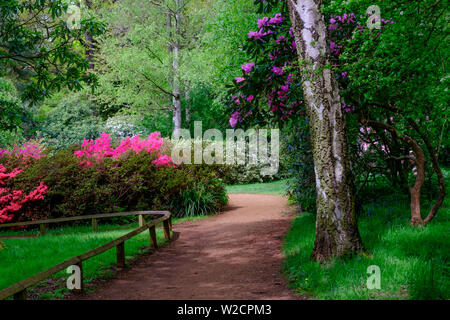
[233,255]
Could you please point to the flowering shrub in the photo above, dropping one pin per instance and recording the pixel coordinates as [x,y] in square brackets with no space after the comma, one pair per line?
[122,126]
[127,177]
[14,200]
[268,87]
[30,149]
[101,148]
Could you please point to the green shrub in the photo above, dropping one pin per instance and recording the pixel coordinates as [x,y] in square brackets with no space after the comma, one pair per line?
[297,148]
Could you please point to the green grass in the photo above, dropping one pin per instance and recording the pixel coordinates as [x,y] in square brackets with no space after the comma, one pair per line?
[276,187]
[414,262]
[22,258]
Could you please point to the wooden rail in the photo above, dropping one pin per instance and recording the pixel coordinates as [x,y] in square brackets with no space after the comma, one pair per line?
[19,290]
[42,223]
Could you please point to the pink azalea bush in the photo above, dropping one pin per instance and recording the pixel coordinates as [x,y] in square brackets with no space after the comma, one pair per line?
[139,175]
[30,149]
[11,200]
[102,148]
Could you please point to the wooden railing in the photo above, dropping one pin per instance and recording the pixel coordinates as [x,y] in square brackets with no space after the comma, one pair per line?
[19,290]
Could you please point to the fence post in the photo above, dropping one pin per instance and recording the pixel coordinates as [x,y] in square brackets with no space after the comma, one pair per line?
[166,229]
[152,230]
[141,220]
[75,290]
[120,250]
[21,295]
[170,222]
[42,229]
[94,225]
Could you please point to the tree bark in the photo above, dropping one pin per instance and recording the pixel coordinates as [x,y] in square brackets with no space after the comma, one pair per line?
[435,162]
[187,97]
[89,41]
[336,226]
[176,99]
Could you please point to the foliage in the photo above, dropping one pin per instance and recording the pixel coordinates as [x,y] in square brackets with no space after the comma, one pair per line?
[37,43]
[301,186]
[29,149]
[269,92]
[68,120]
[12,112]
[122,125]
[247,173]
[376,83]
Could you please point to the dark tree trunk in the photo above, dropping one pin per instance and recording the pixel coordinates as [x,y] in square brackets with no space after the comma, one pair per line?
[336,227]
[420,160]
[89,41]
[187,96]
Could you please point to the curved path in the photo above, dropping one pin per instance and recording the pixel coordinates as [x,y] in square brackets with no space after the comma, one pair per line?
[232,255]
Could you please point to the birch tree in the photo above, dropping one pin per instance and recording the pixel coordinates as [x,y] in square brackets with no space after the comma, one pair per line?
[336,227]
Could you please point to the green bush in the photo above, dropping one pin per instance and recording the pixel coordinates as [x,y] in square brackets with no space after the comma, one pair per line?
[133,183]
[302,185]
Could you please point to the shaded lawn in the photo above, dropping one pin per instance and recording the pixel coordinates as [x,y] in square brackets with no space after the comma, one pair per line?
[414,262]
[276,187]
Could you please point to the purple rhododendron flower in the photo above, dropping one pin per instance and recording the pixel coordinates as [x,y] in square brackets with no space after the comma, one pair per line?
[257,35]
[277,70]
[263,22]
[281,39]
[248,67]
[234,119]
[277,19]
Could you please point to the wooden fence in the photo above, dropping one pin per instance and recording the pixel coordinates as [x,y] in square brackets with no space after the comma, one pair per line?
[19,290]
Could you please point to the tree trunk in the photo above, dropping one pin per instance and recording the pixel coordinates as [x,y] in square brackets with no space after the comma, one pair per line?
[336,227]
[89,41]
[416,217]
[176,99]
[420,160]
[435,162]
[187,97]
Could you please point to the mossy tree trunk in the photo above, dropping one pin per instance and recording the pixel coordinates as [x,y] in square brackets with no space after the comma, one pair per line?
[336,227]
